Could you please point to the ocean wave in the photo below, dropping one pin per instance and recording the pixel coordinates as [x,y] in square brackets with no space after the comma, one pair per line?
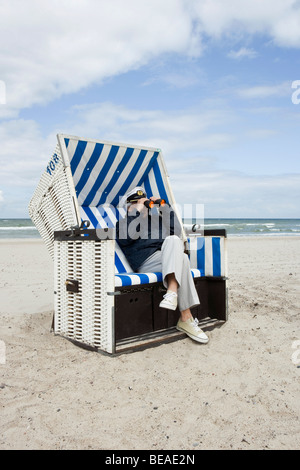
[218,225]
[263,234]
[269,224]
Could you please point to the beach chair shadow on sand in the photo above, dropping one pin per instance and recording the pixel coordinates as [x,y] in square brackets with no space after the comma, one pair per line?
[98,302]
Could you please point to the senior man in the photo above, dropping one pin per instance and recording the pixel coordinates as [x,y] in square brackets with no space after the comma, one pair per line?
[149,236]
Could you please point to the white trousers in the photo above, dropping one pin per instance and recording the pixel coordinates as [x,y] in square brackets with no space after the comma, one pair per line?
[172,259]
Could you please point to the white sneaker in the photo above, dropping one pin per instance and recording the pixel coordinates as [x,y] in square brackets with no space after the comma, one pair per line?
[191,328]
[169,301]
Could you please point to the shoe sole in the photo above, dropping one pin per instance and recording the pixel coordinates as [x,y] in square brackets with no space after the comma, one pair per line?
[195,338]
[167,306]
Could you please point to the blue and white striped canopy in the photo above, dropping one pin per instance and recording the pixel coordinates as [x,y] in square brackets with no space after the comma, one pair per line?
[102,173]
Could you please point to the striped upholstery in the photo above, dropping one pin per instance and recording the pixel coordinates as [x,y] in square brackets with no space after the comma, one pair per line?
[208,255]
[145,278]
[102,173]
[107,217]
[132,279]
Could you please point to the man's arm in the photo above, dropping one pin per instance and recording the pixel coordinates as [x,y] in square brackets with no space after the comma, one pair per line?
[170,222]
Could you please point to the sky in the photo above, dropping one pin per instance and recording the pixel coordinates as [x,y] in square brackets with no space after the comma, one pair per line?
[215,84]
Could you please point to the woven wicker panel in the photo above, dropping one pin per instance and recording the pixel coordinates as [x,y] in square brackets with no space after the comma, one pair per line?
[86,315]
[51,207]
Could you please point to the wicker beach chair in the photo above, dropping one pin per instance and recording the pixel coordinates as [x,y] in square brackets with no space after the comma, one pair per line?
[98,302]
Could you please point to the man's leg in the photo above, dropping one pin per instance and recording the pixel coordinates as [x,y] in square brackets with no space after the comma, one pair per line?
[172,283]
[177,275]
[178,279]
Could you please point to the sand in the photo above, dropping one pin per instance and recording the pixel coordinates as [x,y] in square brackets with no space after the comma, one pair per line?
[240,391]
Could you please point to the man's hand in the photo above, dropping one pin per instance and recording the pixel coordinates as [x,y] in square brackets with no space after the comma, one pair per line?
[138,205]
[152,198]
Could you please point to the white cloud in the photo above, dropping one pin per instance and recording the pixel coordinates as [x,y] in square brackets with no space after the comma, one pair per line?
[261,133]
[236,194]
[56,47]
[23,153]
[279,19]
[193,146]
[179,131]
[242,53]
[2,92]
[266,91]
[181,79]
[61,46]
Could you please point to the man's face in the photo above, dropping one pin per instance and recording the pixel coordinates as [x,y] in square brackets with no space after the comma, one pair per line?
[138,205]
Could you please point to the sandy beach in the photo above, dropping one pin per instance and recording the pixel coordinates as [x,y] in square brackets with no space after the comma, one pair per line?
[240,391]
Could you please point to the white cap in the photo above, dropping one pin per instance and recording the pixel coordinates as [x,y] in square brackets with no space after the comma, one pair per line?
[123,201]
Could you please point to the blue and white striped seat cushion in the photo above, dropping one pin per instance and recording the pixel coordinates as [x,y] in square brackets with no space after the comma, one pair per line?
[206,258]
[133,279]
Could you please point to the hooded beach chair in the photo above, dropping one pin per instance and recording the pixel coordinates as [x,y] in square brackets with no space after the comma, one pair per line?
[98,302]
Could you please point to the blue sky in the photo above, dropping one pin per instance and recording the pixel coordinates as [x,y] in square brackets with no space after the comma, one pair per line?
[207,81]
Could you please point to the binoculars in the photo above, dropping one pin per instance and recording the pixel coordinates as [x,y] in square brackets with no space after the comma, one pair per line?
[159,202]
[149,204]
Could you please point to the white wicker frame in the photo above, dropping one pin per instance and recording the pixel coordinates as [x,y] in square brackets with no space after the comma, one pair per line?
[86,316]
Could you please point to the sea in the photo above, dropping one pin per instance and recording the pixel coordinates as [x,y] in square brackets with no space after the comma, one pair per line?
[24,228]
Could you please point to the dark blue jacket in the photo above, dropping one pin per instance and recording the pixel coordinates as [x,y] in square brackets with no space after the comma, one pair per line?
[140,236]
